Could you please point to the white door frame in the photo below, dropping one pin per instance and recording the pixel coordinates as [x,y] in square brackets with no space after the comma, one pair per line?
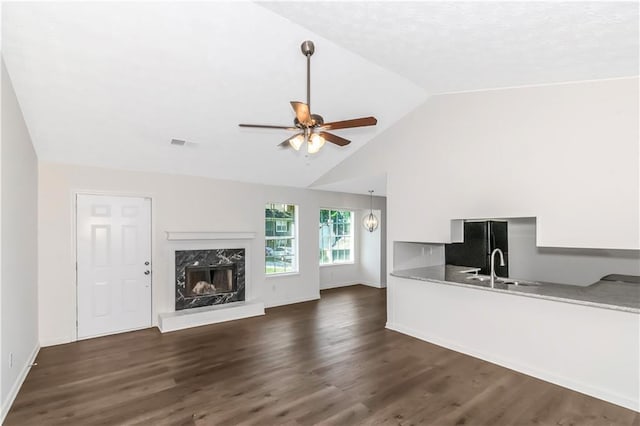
[74,247]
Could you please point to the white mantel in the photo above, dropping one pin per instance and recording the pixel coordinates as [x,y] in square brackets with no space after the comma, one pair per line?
[205,240]
[186,236]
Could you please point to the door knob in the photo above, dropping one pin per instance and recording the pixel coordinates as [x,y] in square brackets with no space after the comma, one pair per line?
[147,272]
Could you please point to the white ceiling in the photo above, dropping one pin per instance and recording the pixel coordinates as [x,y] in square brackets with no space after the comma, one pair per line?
[110,84]
[449,46]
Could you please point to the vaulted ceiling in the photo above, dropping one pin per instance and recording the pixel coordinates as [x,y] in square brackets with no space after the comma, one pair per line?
[110,84]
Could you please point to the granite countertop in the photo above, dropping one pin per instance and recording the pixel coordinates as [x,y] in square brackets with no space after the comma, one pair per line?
[621,296]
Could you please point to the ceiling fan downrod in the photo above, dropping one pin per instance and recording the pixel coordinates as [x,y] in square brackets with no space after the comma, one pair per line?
[308,48]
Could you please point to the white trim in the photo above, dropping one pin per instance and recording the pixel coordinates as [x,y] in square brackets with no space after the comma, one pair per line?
[355,237]
[349,284]
[56,342]
[111,333]
[325,265]
[281,274]
[330,286]
[566,382]
[187,236]
[13,392]
[374,285]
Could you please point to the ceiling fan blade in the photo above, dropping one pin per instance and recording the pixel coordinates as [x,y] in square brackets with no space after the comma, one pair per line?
[346,124]
[330,137]
[302,112]
[266,126]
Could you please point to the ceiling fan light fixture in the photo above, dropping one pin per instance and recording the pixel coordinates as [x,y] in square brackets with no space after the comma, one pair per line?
[314,129]
[296,142]
[315,143]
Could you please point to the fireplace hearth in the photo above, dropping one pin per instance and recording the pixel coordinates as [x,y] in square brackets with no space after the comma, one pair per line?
[209,277]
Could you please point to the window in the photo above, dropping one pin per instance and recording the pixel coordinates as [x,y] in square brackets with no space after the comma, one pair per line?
[281,247]
[336,236]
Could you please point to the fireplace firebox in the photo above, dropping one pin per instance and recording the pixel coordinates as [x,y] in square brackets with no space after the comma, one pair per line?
[211,279]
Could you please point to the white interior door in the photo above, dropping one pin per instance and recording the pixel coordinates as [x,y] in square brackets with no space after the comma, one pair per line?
[114,264]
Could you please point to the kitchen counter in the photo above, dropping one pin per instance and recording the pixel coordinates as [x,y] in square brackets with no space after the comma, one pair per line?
[614,295]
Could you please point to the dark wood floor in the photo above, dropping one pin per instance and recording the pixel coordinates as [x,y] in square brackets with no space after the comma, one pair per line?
[329,361]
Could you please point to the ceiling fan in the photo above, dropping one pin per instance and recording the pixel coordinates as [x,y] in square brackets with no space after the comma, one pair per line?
[311,128]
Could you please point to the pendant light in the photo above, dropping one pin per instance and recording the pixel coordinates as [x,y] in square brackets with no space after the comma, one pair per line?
[370,221]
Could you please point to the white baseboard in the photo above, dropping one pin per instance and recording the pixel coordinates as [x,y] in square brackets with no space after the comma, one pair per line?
[547,376]
[173,321]
[350,283]
[13,392]
[374,285]
[292,301]
[329,286]
[55,342]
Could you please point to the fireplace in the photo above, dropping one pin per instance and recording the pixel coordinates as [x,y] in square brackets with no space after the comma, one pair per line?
[209,277]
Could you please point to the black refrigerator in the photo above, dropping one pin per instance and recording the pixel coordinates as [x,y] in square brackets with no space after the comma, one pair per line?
[480,239]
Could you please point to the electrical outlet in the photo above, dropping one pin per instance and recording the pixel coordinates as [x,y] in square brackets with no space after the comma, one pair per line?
[10,359]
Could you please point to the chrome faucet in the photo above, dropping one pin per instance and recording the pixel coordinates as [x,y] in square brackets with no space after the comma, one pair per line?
[492,281]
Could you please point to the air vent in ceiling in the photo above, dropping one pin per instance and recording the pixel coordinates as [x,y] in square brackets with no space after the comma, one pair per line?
[178,142]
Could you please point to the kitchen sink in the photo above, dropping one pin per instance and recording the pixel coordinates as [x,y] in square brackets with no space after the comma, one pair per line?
[507,281]
[478,277]
[517,282]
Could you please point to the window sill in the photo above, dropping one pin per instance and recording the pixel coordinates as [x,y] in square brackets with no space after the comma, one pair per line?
[325,265]
[282,274]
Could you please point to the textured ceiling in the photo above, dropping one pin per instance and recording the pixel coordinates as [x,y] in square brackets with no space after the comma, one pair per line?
[111,83]
[459,46]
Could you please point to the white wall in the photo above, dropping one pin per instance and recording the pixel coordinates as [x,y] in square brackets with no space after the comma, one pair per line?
[409,255]
[179,203]
[563,265]
[567,154]
[371,251]
[19,321]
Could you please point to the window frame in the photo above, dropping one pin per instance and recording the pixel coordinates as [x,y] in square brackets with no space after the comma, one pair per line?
[352,234]
[295,270]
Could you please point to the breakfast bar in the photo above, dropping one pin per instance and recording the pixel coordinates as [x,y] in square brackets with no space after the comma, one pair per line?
[617,292]
[583,338]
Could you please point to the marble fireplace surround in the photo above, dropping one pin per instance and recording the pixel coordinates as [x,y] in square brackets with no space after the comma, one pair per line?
[194,317]
[194,268]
